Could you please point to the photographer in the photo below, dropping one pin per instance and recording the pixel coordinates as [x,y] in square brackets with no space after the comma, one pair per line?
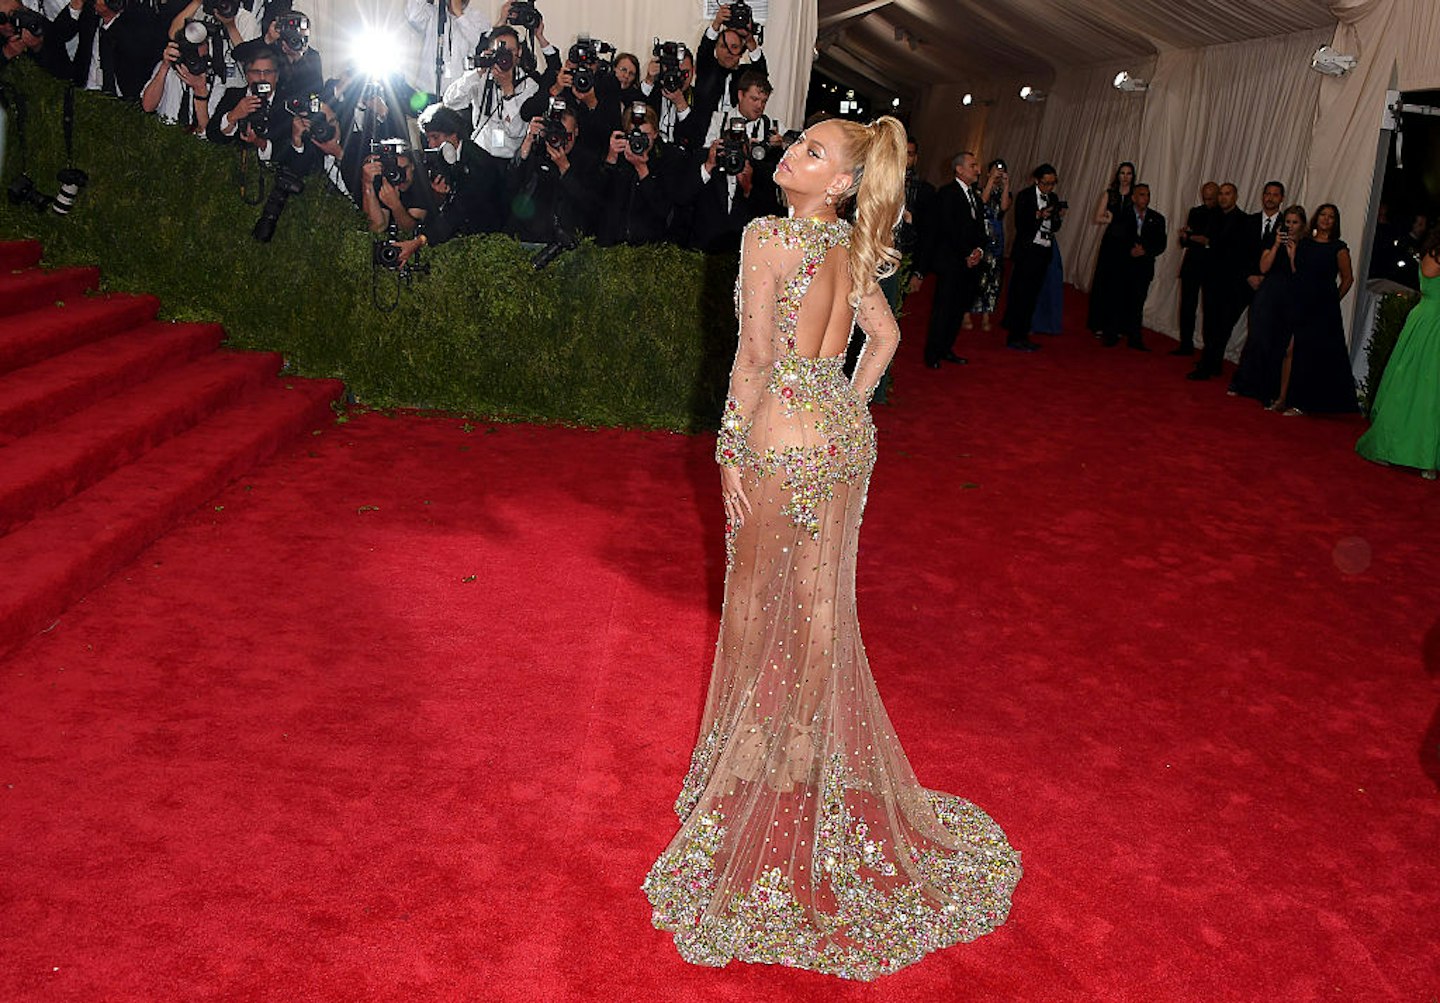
[494,91]
[465,25]
[182,90]
[736,182]
[635,181]
[132,43]
[454,167]
[586,83]
[236,27]
[669,88]
[314,146]
[28,31]
[389,192]
[550,180]
[288,33]
[720,65]
[245,114]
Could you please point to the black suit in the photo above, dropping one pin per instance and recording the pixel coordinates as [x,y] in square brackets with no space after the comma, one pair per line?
[715,219]
[954,229]
[1232,258]
[1192,271]
[129,48]
[1136,272]
[1029,264]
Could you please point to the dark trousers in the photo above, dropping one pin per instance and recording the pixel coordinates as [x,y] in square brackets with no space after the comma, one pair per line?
[1029,263]
[1131,313]
[1190,286]
[1224,302]
[954,296]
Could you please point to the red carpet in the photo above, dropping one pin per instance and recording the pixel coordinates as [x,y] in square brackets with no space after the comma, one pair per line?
[114,426]
[401,714]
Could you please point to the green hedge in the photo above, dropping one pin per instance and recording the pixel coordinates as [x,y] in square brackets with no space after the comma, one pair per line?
[633,336]
[1389,321]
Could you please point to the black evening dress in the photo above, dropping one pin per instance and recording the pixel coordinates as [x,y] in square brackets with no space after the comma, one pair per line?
[1321,378]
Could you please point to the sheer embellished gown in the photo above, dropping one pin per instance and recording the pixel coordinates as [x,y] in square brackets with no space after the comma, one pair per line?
[805,838]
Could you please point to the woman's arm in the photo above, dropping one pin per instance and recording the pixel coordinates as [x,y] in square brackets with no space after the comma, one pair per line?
[882,336]
[1347,273]
[1102,210]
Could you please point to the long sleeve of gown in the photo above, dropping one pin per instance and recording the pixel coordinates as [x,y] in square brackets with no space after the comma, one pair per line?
[882,336]
[755,289]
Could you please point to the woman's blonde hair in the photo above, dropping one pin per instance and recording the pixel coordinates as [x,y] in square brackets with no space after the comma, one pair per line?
[877,192]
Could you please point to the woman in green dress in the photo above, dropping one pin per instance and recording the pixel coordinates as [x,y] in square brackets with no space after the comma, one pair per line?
[1405,421]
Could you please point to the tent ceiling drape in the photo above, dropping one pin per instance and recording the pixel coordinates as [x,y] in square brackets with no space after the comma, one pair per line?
[956,41]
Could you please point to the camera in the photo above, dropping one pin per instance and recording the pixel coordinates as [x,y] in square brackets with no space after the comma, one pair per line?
[22,191]
[1000,166]
[227,9]
[258,121]
[523,15]
[287,183]
[386,253]
[294,30]
[497,56]
[24,19]
[191,36]
[670,54]
[590,60]
[388,151]
[742,18]
[71,179]
[638,139]
[310,108]
[734,148]
[555,133]
[1058,204]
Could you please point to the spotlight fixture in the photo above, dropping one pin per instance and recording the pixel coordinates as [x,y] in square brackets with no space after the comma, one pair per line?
[1028,93]
[968,99]
[1331,63]
[894,102]
[1125,82]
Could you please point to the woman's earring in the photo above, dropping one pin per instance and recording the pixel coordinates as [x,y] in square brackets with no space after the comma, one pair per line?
[829,199]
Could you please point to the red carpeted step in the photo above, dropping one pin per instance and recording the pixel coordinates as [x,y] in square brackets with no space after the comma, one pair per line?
[34,287]
[27,338]
[19,254]
[49,391]
[45,468]
[61,554]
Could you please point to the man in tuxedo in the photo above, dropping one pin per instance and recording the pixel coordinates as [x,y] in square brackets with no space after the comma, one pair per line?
[952,249]
[1230,258]
[1192,266]
[1264,228]
[1144,232]
[117,47]
[1038,214]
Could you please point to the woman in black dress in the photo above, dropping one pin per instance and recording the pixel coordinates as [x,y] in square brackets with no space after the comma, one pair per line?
[1271,315]
[1107,288]
[1317,375]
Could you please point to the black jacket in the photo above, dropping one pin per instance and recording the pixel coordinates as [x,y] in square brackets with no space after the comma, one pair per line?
[543,201]
[632,211]
[953,229]
[1153,239]
[129,48]
[1198,223]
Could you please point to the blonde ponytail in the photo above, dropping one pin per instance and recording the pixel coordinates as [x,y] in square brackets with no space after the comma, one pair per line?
[878,194]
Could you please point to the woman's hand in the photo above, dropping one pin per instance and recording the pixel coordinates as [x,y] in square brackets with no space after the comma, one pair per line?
[737,503]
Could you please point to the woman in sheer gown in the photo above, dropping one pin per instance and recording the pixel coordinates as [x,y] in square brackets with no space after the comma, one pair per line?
[805,838]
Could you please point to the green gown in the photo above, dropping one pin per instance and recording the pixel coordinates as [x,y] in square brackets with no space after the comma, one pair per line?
[1405,421]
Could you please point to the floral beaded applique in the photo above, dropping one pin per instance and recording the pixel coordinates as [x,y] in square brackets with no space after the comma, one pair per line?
[803,385]
[873,920]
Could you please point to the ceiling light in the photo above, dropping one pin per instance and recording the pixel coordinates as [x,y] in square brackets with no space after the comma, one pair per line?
[968,99]
[1028,93]
[1125,82]
[1331,63]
